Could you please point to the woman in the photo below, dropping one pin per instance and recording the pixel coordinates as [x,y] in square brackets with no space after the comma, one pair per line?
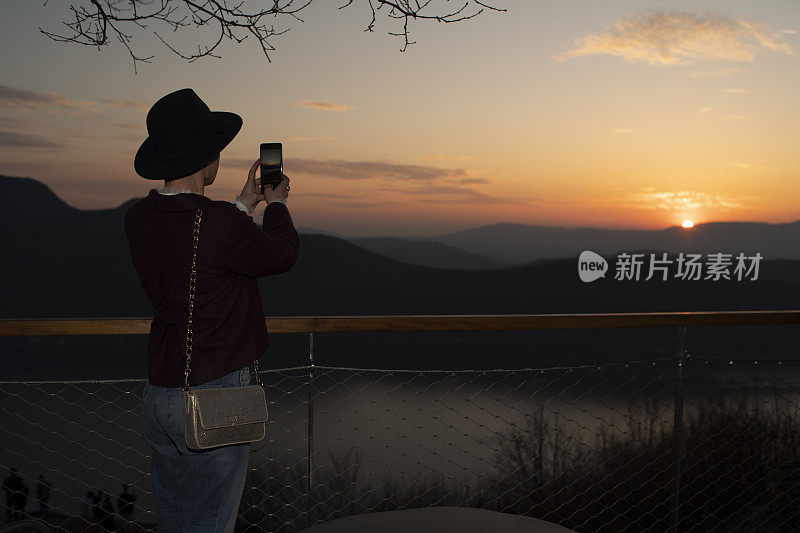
[200,490]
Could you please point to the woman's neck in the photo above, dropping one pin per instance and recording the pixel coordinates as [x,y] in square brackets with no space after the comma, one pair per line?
[175,190]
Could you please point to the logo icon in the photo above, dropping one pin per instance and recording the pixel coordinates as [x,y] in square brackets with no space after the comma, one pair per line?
[591,266]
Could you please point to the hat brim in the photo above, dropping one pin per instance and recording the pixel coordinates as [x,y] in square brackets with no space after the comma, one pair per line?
[226,126]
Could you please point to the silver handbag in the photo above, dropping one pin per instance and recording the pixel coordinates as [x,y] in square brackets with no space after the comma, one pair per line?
[223,415]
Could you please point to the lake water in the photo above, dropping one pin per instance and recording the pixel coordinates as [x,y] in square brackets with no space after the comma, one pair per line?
[404,424]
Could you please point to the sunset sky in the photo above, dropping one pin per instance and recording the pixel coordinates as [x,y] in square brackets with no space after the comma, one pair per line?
[604,113]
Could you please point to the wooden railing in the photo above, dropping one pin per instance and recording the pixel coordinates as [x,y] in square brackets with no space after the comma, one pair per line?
[326,324]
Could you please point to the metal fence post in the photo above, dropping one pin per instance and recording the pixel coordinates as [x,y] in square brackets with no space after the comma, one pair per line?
[677,429]
[310,438]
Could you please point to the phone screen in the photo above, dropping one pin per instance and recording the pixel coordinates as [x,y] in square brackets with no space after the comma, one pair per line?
[271,163]
[270,157]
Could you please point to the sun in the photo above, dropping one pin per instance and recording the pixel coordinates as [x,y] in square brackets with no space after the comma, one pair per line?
[687,223]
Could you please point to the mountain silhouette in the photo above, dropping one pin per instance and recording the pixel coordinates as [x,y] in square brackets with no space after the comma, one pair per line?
[416,251]
[27,199]
[308,229]
[426,253]
[520,243]
[71,263]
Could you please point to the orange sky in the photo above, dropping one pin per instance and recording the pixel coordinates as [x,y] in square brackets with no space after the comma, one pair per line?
[629,114]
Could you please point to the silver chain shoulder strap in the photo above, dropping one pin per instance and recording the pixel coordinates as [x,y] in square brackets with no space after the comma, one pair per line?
[192,286]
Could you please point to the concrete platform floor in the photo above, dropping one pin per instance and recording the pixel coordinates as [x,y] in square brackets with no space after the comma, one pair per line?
[437,520]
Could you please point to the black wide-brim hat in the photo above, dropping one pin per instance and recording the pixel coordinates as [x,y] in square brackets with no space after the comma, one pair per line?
[184,136]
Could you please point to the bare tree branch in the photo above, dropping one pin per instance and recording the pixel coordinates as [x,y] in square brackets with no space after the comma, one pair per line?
[97,21]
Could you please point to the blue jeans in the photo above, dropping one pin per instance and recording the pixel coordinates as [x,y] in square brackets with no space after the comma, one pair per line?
[195,490]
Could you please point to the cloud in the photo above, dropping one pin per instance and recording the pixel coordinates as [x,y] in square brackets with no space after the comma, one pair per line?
[468,181]
[26,100]
[736,117]
[12,96]
[676,38]
[425,183]
[352,200]
[703,110]
[16,122]
[359,170]
[72,134]
[324,106]
[736,91]
[678,200]
[328,195]
[124,103]
[13,139]
[48,102]
[623,130]
[359,205]
[454,194]
[132,125]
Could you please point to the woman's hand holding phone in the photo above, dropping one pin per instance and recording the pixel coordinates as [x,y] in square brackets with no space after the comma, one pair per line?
[251,194]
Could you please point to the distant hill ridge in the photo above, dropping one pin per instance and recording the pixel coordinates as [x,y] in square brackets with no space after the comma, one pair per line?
[486,247]
[519,243]
[76,264]
[30,199]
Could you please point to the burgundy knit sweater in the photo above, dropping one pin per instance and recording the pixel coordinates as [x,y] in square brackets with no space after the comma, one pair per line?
[229,330]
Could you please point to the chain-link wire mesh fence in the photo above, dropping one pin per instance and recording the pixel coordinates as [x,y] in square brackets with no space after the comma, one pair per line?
[590,447]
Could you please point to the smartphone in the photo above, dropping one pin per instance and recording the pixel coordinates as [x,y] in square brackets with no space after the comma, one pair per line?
[271,164]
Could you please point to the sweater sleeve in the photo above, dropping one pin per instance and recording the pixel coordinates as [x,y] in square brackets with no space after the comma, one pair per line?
[262,251]
[240,204]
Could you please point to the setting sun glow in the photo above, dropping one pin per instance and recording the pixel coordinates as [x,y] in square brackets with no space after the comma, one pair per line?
[628,114]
